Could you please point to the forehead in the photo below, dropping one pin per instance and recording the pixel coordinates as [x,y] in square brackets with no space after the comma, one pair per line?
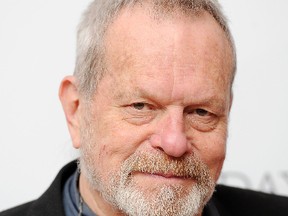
[137,28]
[138,46]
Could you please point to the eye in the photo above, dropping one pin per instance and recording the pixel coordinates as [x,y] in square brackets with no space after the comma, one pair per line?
[201,112]
[138,106]
[202,118]
[139,113]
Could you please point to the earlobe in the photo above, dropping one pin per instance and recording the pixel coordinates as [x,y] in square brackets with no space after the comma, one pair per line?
[69,97]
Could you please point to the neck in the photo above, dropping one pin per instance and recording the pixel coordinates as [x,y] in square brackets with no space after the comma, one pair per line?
[94,200]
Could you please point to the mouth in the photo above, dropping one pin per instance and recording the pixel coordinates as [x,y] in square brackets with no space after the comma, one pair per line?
[166,178]
[168,175]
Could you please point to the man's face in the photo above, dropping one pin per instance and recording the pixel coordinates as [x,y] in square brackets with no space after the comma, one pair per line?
[156,129]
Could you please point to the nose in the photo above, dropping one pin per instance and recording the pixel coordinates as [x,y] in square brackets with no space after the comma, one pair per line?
[170,136]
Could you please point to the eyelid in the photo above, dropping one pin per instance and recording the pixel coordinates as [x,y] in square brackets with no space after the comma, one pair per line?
[190,110]
[142,105]
[139,116]
[206,112]
[147,106]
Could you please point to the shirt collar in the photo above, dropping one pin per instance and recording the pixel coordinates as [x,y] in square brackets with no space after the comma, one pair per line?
[71,200]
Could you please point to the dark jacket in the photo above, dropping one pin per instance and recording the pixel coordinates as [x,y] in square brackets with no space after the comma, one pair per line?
[229,201]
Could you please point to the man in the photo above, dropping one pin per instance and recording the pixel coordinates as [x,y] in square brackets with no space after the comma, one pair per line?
[148,107]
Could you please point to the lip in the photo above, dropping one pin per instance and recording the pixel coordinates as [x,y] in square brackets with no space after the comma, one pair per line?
[166,175]
[162,176]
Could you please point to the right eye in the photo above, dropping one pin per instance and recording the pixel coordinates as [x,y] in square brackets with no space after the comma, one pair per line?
[139,113]
[138,106]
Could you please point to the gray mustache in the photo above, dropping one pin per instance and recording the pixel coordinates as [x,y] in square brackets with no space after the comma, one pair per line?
[158,163]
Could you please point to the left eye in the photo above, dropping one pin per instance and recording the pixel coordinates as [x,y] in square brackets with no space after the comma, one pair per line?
[201,112]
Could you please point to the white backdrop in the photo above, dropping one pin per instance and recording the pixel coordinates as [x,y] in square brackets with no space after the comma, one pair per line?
[37,49]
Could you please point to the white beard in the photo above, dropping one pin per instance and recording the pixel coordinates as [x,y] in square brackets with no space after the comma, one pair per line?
[123,193]
[165,201]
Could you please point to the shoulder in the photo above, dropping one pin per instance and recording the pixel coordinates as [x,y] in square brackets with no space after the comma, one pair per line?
[247,202]
[16,211]
[49,203]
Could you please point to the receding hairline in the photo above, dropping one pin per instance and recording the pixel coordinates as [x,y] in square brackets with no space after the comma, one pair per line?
[90,66]
[162,9]
[161,13]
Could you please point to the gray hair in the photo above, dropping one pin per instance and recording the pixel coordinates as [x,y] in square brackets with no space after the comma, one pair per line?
[90,65]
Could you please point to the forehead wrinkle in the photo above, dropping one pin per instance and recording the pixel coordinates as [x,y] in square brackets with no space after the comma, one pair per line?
[174,69]
[179,34]
[128,62]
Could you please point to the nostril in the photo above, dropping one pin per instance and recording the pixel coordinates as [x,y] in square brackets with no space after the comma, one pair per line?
[155,141]
[160,149]
[170,144]
[170,136]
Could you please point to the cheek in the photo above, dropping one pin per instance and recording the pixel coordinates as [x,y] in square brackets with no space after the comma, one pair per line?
[212,149]
[215,158]
[116,140]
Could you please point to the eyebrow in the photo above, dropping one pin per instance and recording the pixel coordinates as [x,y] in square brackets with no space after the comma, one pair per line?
[214,101]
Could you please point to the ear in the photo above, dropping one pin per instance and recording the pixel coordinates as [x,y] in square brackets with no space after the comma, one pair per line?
[69,97]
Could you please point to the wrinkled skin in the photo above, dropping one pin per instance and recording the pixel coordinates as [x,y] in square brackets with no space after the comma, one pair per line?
[167,89]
